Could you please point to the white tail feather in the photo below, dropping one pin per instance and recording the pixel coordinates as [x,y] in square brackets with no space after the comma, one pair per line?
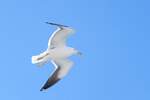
[39,60]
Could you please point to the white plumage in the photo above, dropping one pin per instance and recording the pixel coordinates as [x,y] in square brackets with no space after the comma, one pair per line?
[57,52]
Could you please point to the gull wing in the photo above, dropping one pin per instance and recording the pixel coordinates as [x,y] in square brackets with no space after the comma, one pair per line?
[58,38]
[62,68]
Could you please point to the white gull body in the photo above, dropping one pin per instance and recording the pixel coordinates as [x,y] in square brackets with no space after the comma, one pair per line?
[57,52]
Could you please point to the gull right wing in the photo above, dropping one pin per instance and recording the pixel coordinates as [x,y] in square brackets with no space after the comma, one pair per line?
[58,38]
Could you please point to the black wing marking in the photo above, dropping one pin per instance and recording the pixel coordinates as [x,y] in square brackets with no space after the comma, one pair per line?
[59,25]
[53,79]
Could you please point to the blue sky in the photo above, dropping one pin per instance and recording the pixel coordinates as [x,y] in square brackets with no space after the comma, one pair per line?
[113,36]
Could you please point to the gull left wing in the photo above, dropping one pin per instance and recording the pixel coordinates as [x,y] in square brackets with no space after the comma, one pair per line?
[62,68]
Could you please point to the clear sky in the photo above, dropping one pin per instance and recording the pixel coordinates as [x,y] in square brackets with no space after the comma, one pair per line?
[113,35]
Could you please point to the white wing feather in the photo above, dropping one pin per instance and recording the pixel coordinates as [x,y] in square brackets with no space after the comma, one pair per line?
[58,38]
[65,66]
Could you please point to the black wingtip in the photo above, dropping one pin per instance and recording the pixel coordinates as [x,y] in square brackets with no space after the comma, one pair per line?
[52,80]
[49,23]
[48,85]
[41,89]
[60,25]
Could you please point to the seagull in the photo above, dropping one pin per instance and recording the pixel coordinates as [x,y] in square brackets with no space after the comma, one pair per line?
[57,53]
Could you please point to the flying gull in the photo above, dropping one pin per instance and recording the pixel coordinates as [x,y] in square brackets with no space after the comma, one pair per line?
[58,53]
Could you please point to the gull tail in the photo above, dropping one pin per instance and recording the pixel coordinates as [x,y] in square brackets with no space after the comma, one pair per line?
[39,60]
